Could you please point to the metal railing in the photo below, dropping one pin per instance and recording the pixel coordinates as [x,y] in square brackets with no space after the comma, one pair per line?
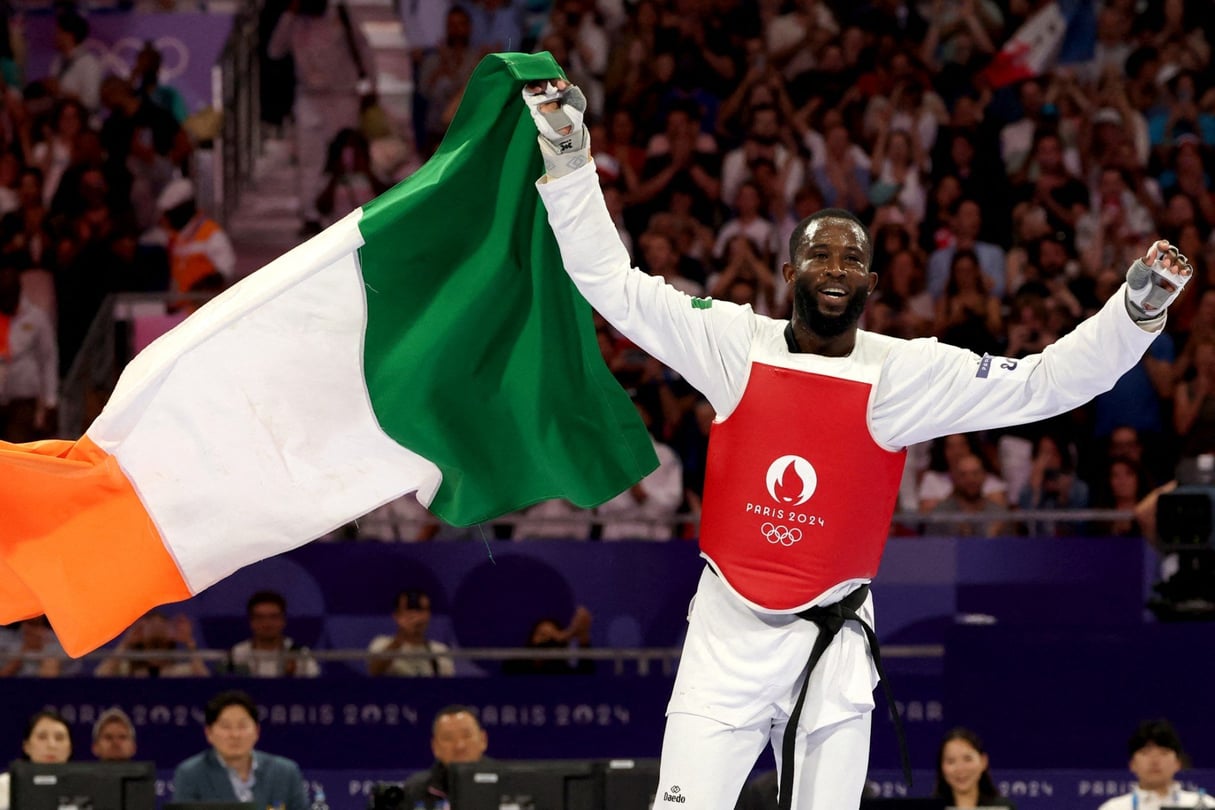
[102,355]
[235,90]
[377,526]
[645,659]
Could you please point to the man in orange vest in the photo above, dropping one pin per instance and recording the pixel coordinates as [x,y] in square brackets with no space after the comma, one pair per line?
[201,257]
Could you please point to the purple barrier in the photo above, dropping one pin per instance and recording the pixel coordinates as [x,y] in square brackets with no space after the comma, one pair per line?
[190,44]
[340,594]
[361,723]
[1071,696]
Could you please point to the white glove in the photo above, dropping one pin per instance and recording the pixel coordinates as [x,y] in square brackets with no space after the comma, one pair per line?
[558,107]
[1153,282]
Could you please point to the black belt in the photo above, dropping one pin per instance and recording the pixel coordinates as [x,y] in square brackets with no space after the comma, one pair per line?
[830,620]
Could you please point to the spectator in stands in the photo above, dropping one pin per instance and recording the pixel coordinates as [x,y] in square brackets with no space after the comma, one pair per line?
[1156,757]
[967,498]
[1194,403]
[1053,484]
[114,736]
[75,70]
[332,58]
[899,161]
[748,205]
[231,769]
[143,140]
[554,519]
[842,175]
[497,25]
[1017,137]
[201,256]
[1125,486]
[966,223]
[968,313]
[348,179]
[1137,400]
[548,634]
[53,154]
[29,362]
[654,499]
[154,633]
[456,737]
[963,778]
[763,140]
[936,484]
[1028,329]
[680,159]
[901,306]
[411,613]
[145,78]
[47,740]
[662,259]
[745,261]
[37,655]
[574,24]
[442,75]
[1049,184]
[268,653]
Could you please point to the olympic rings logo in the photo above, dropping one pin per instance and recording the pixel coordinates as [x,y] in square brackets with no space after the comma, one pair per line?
[785,535]
[119,57]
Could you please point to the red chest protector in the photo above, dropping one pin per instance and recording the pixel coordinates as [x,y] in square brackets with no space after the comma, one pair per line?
[798,496]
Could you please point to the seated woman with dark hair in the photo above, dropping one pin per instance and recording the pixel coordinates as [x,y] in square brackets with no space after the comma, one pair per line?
[963,778]
[47,740]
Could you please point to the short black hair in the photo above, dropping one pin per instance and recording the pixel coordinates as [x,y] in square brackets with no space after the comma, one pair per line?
[453,709]
[45,714]
[265,598]
[799,233]
[1158,732]
[70,22]
[233,697]
[411,598]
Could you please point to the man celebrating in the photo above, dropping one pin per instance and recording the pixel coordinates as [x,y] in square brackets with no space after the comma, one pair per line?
[804,463]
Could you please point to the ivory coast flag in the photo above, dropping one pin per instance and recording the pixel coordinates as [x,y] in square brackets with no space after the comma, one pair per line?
[430,341]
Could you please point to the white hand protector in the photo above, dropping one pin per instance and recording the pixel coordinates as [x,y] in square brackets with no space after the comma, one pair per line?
[558,113]
[1153,282]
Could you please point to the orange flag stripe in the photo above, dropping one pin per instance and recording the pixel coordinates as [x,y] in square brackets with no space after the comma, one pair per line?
[75,532]
[17,602]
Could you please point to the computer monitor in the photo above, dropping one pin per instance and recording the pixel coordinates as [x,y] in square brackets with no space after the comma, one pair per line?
[210,806]
[629,784]
[82,786]
[903,804]
[551,784]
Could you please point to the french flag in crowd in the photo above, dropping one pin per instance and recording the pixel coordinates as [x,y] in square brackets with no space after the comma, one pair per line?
[1059,33]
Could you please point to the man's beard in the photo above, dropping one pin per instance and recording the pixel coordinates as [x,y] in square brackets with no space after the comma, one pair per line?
[822,324]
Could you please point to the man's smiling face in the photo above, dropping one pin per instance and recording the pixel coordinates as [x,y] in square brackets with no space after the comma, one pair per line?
[830,276]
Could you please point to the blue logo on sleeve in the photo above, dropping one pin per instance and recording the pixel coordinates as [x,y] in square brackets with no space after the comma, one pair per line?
[984,367]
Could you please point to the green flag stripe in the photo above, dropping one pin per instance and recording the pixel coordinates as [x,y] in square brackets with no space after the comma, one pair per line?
[480,355]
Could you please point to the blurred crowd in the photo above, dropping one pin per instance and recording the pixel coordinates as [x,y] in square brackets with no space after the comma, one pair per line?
[96,196]
[1004,207]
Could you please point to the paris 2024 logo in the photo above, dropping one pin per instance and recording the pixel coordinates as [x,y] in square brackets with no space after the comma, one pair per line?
[791,481]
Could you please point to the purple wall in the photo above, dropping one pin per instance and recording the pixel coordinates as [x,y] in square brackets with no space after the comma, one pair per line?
[1053,664]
